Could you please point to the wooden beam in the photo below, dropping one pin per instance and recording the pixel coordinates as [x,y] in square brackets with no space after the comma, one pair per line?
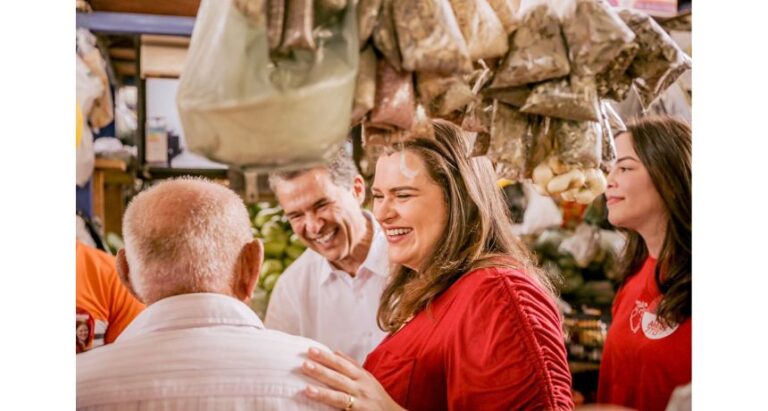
[187,8]
[122,53]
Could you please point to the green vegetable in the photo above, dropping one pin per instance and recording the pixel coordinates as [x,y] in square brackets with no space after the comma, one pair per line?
[274,249]
[270,281]
[295,240]
[271,266]
[266,215]
[294,251]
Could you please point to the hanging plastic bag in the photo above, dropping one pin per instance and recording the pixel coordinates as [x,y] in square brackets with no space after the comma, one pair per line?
[583,245]
[577,142]
[367,14]
[514,96]
[537,50]
[613,82]
[365,86]
[299,21]
[385,37]
[481,28]
[422,124]
[570,99]
[506,10]
[442,95]
[275,23]
[595,35]
[236,112]
[395,100]
[102,113]
[540,145]
[331,6]
[253,10]
[429,37]
[659,61]
[611,125]
[89,88]
[510,133]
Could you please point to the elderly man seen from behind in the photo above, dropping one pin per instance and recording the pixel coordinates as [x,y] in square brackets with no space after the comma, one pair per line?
[191,258]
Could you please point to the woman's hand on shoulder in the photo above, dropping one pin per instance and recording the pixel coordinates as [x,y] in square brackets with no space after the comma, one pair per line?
[351,387]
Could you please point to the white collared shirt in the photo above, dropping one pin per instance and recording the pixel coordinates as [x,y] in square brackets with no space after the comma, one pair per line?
[196,352]
[315,300]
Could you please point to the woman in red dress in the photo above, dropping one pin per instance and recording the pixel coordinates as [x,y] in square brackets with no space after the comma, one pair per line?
[472,321]
[647,353]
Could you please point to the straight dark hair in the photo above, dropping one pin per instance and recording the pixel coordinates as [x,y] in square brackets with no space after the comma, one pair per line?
[663,145]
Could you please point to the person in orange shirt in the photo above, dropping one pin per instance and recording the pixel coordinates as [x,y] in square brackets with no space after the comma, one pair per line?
[104,306]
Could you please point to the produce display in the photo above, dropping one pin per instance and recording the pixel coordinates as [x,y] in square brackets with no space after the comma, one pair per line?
[535,88]
[281,248]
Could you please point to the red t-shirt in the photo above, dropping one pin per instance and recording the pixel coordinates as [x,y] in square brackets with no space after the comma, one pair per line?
[643,361]
[492,341]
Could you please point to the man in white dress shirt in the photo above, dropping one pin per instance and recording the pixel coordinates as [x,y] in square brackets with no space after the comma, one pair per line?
[331,293]
[190,256]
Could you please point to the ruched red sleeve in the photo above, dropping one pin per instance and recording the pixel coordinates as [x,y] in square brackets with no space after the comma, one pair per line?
[507,352]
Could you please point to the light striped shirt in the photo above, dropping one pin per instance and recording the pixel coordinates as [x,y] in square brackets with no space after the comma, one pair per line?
[196,352]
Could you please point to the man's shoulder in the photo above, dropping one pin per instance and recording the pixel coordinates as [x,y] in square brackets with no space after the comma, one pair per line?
[306,266]
[196,364]
[212,350]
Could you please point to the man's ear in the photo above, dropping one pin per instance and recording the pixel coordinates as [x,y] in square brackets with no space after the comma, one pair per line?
[358,189]
[123,271]
[247,270]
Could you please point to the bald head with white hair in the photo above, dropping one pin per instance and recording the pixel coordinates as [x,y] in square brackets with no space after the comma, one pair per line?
[188,235]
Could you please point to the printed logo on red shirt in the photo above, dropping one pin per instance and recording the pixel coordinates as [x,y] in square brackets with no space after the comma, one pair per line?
[643,318]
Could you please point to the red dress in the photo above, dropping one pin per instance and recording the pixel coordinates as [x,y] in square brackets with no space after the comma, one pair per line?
[492,341]
[643,361]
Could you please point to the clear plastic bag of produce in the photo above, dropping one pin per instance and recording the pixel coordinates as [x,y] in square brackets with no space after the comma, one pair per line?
[537,51]
[540,145]
[577,142]
[570,99]
[582,245]
[367,14]
[429,37]
[442,95]
[506,10]
[298,25]
[88,90]
[385,36]
[275,23]
[253,10]
[659,61]
[595,35]
[330,6]
[365,86]
[511,133]
[395,100]
[482,30]
[614,82]
[239,107]
[514,96]
[611,125]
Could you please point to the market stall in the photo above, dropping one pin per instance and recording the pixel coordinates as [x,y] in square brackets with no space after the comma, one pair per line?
[234,89]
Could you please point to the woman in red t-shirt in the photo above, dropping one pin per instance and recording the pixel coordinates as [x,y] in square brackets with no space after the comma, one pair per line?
[647,353]
[472,323]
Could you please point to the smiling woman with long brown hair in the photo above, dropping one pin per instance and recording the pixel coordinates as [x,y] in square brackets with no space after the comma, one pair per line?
[472,322]
[648,349]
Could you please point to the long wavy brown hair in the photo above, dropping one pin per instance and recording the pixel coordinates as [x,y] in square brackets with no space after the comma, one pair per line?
[663,145]
[477,234]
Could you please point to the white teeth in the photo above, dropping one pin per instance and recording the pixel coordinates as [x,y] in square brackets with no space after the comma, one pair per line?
[399,231]
[324,239]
